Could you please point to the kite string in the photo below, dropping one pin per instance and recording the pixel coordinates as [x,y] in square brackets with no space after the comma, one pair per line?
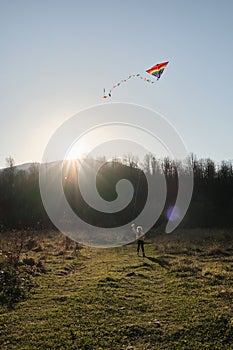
[125,80]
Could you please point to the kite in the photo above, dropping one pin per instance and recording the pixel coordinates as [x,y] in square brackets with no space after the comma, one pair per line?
[156,71]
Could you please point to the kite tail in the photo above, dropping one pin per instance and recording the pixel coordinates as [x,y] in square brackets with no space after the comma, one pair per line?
[133,75]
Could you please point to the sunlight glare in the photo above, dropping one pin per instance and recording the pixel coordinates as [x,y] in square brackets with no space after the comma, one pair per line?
[79,150]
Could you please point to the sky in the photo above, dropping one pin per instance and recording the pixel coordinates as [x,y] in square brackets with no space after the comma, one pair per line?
[57,55]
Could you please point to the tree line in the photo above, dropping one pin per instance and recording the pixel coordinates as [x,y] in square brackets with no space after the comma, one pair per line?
[21,206]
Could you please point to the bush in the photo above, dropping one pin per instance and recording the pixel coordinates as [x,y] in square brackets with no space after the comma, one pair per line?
[15,283]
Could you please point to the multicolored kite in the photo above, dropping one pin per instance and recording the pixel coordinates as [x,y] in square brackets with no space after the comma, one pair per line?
[156,71]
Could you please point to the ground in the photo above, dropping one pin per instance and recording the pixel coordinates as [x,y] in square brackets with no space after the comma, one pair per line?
[178,297]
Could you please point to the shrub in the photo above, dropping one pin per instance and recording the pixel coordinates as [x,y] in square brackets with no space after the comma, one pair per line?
[15,282]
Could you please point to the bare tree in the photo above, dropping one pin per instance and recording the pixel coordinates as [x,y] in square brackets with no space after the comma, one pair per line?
[10,163]
[131,160]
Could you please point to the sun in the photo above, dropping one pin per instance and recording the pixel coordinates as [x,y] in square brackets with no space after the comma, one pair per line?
[78,150]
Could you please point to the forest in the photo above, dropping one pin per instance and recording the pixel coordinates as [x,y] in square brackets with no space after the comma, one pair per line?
[211,206]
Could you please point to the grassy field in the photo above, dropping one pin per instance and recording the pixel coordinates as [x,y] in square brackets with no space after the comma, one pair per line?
[178,297]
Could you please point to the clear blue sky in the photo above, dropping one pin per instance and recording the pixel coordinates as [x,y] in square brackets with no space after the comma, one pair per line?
[57,55]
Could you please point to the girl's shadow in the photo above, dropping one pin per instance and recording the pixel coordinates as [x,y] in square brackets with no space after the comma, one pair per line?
[161,262]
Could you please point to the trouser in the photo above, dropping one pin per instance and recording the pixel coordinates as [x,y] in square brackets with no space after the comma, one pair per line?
[140,244]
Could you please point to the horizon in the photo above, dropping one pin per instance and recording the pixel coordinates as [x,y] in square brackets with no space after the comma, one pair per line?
[120,158]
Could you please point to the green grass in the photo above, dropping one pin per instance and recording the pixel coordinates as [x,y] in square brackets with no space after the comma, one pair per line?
[178,297]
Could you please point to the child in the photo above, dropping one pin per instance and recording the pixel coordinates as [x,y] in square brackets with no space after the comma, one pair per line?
[140,238]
